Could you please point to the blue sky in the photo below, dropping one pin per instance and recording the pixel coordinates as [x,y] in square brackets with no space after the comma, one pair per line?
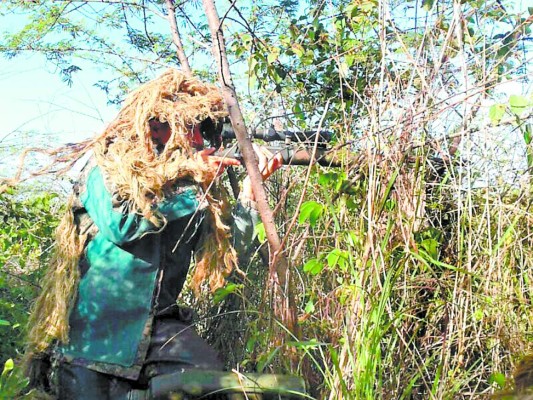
[35,102]
[34,99]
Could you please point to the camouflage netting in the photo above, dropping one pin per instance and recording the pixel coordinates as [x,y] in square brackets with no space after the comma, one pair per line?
[140,175]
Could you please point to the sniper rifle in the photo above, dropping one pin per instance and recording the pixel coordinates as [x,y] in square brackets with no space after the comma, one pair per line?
[295,147]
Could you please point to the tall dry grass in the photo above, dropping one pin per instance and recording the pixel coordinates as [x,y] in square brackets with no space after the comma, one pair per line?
[419,284]
[432,299]
[414,271]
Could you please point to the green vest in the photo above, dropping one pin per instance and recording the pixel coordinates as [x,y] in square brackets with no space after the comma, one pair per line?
[110,322]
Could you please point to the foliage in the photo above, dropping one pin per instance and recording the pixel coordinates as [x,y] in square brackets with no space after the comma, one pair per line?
[72,36]
[11,382]
[26,235]
[520,109]
[407,287]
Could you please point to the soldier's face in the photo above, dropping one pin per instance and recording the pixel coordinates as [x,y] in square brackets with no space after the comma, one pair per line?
[196,138]
[161,134]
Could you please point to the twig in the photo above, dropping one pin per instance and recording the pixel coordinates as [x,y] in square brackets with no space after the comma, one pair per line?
[280,278]
[184,62]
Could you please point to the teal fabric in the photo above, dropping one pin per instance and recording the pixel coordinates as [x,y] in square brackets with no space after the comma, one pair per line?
[113,305]
[243,232]
[108,320]
[123,227]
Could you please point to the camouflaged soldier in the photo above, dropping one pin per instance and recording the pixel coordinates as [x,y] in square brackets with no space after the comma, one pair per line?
[149,199]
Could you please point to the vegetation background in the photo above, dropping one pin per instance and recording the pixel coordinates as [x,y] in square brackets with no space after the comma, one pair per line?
[413,261]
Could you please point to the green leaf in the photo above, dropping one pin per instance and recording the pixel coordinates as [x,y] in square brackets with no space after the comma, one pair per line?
[518,104]
[3,322]
[260,232]
[298,49]
[313,266]
[498,378]
[273,55]
[496,113]
[337,257]
[315,215]
[9,190]
[528,138]
[527,134]
[332,179]
[252,75]
[310,307]
[308,58]
[250,343]
[353,238]
[8,366]
[428,4]
[280,71]
[264,360]
[350,59]
[432,247]
[221,293]
[351,203]
[367,6]
[312,211]
[306,345]
[352,10]
[504,51]
[246,38]
[325,178]
[297,109]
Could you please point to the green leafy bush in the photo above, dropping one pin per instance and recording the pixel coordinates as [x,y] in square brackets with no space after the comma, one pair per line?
[26,236]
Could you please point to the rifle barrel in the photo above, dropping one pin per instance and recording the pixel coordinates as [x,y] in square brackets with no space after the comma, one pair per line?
[291,154]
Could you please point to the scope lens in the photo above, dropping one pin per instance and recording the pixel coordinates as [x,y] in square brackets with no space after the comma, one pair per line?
[211,132]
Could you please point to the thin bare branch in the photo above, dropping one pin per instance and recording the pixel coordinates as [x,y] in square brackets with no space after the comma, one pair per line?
[279,272]
[176,39]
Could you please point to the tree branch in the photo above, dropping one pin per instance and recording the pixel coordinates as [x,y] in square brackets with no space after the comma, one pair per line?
[176,37]
[279,272]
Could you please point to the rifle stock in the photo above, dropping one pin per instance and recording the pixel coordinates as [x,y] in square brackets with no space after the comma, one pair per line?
[202,383]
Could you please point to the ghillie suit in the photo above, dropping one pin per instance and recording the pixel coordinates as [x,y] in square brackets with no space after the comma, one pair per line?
[139,176]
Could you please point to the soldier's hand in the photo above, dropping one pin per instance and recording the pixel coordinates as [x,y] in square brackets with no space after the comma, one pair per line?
[268,163]
[220,163]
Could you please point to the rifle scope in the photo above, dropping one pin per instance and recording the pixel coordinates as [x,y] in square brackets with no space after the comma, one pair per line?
[271,135]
